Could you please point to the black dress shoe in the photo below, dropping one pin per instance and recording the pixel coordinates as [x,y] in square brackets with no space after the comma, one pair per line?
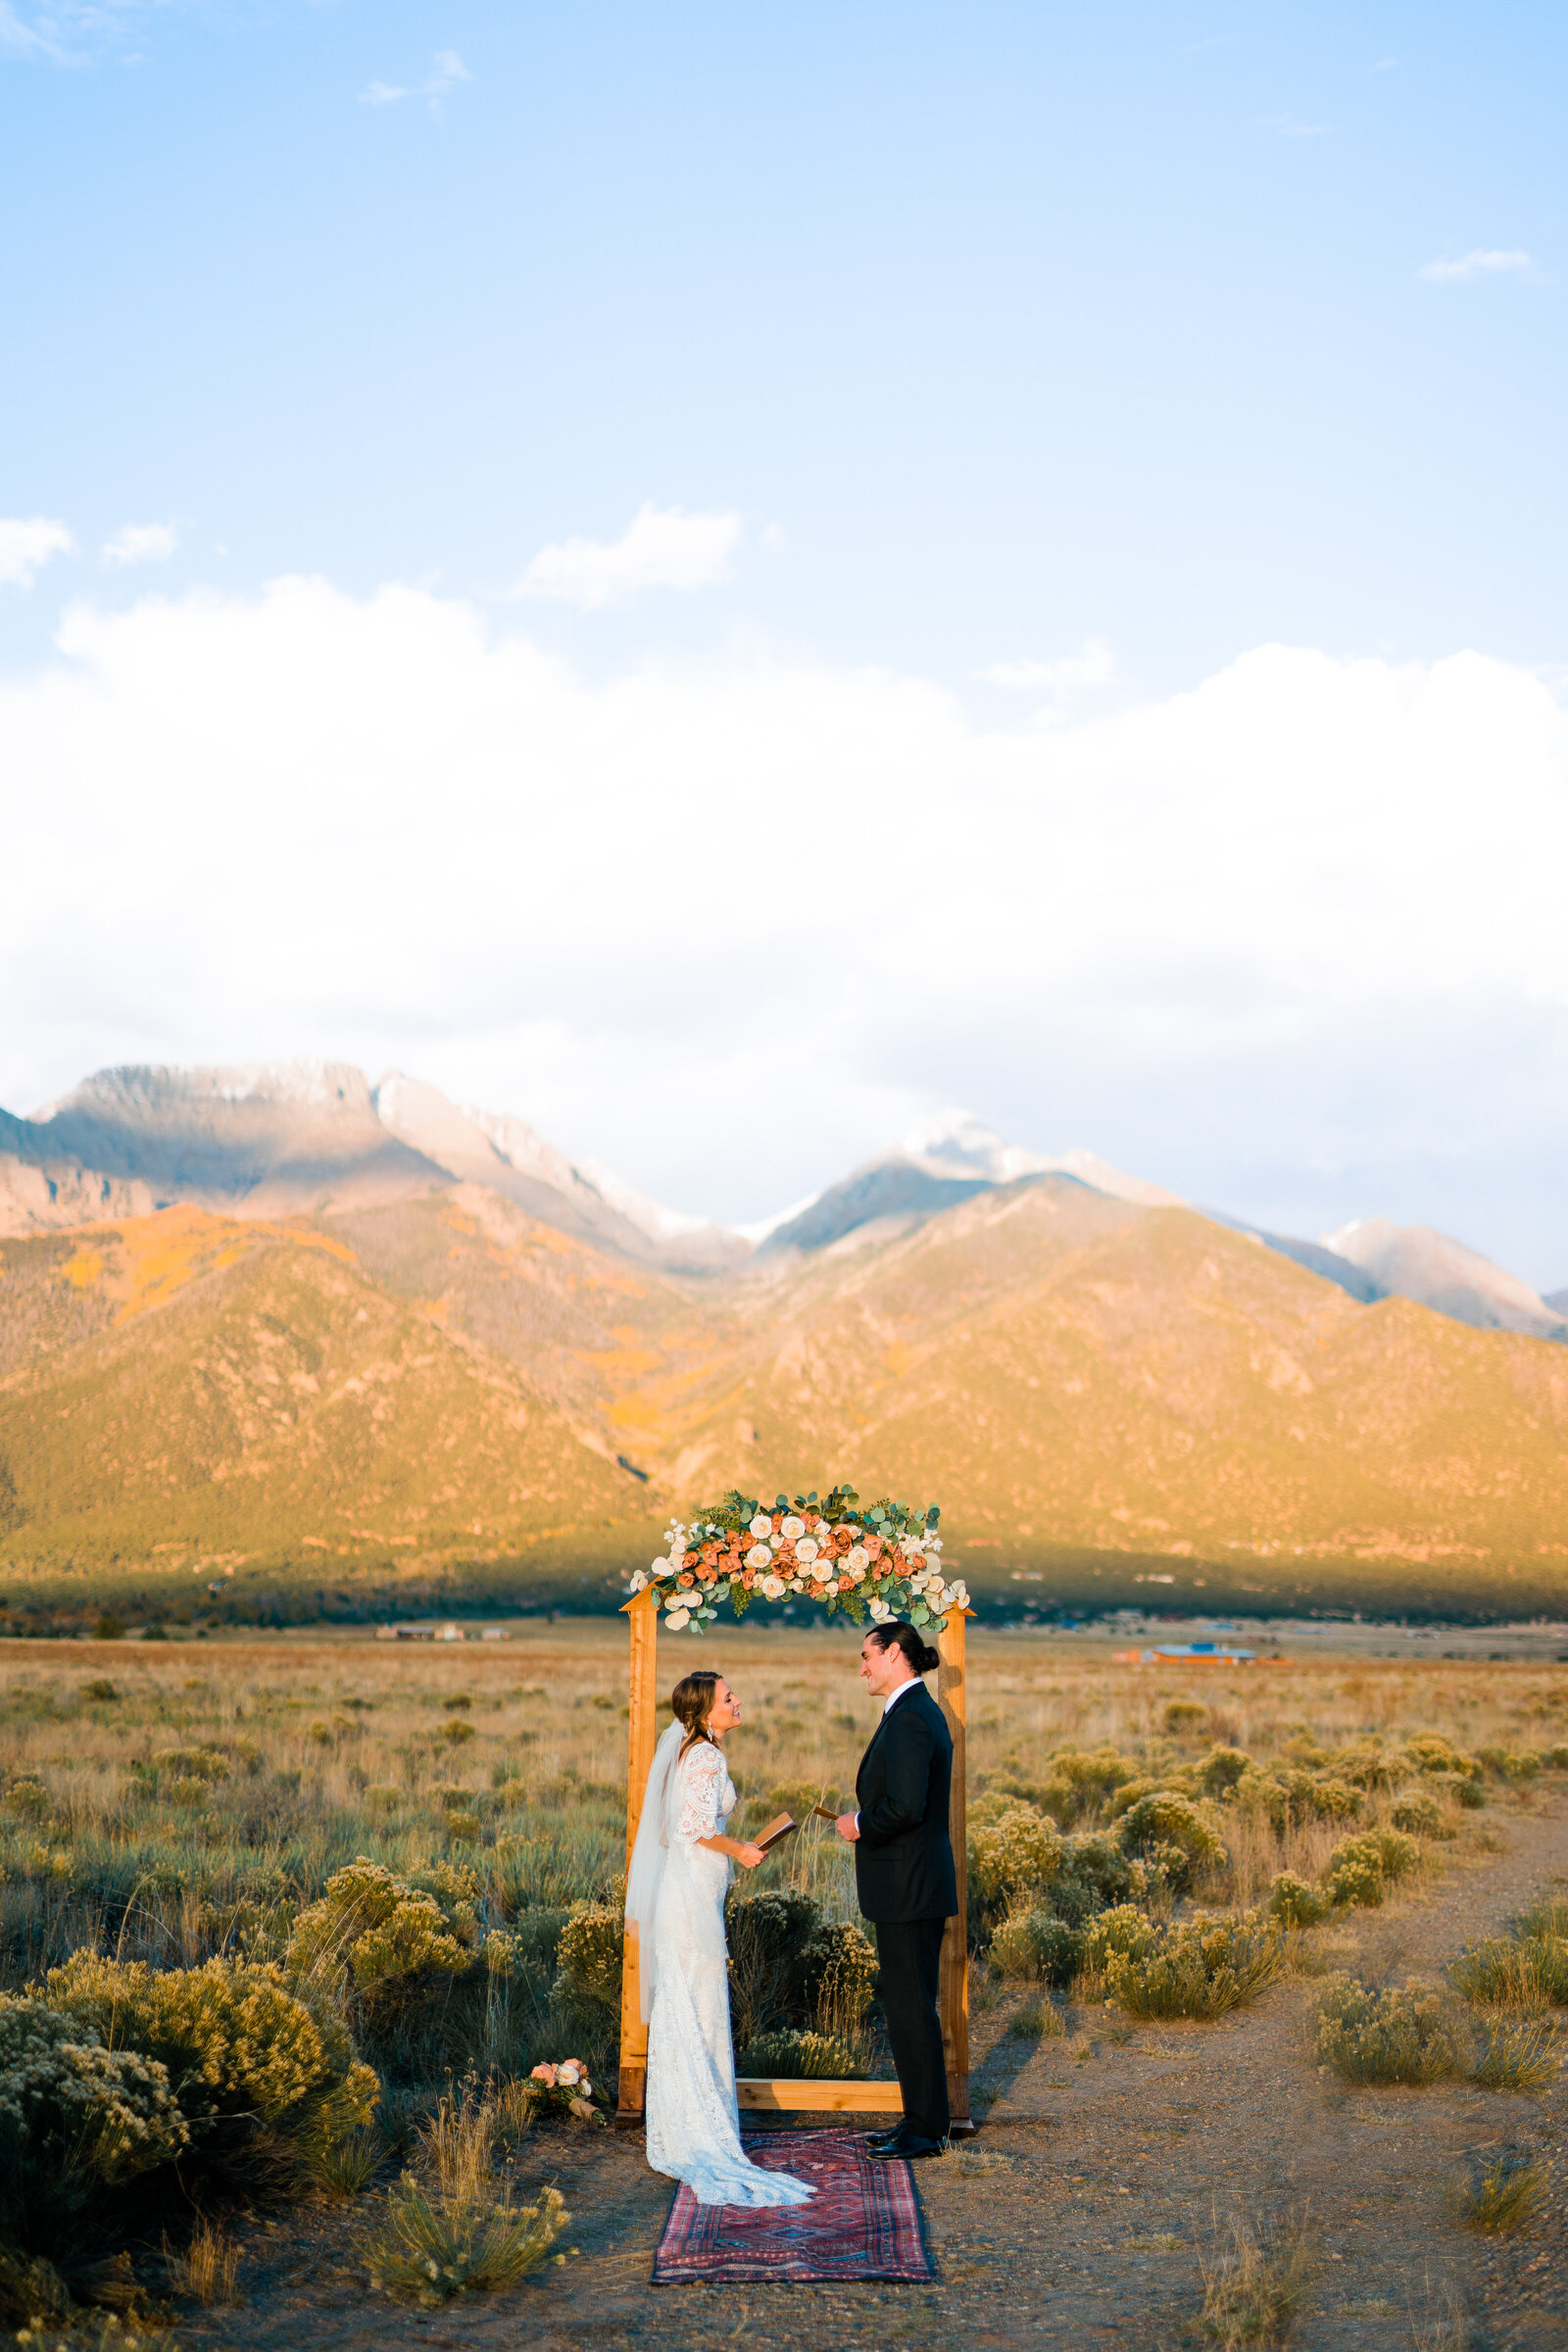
[908,2146]
[883,2139]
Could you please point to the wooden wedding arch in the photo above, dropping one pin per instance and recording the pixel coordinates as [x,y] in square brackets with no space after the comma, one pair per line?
[860,2098]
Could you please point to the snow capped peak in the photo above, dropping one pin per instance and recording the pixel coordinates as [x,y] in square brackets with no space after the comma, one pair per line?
[155,1089]
[955,1144]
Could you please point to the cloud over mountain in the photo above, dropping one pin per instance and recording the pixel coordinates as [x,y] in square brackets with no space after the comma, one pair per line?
[726,924]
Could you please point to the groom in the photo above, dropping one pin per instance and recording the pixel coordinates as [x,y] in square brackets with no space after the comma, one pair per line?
[904,1873]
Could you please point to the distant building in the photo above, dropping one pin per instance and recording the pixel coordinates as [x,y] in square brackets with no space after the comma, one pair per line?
[428,1630]
[1200,1653]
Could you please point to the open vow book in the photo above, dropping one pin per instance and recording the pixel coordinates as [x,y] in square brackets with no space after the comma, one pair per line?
[782,1826]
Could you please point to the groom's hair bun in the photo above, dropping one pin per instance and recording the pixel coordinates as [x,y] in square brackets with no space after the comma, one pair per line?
[898,1635]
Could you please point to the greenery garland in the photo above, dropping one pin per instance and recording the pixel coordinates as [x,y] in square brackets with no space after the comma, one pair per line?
[878,1563]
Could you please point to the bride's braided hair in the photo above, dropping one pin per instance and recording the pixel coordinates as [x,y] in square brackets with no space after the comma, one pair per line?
[691,1702]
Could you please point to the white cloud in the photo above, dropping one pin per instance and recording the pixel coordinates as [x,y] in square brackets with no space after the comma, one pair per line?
[26,546]
[1308,913]
[447,71]
[142,543]
[1286,126]
[1483,262]
[1079,674]
[661,548]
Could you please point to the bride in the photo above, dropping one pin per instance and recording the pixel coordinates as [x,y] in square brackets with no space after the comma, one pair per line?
[675,1900]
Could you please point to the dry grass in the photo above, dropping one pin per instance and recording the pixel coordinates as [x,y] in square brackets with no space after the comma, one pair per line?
[1503,2196]
[1255,2284]
[450,2228]
[1517,2057]
[208,2268]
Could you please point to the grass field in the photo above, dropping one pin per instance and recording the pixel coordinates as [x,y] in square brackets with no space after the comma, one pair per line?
[1168,1838]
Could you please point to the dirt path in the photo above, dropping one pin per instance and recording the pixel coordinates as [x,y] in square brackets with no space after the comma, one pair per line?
[1111,2158]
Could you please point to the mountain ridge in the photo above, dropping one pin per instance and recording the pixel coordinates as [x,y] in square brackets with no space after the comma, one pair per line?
[271,1139]
[443,1392]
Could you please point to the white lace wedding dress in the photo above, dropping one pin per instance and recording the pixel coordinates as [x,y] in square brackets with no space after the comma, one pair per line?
[675,1899]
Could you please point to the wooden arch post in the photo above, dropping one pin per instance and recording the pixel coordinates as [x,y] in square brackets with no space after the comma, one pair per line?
[819,2097]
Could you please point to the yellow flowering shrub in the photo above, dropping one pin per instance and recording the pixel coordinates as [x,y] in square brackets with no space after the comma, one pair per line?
[589,1954]
[232,2037]
[1020,1850]
[67,2102]
[374,1931]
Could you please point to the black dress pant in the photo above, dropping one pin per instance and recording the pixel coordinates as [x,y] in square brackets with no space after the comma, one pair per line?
[909,1953]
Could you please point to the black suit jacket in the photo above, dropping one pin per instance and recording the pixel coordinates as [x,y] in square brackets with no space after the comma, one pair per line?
[902,1856]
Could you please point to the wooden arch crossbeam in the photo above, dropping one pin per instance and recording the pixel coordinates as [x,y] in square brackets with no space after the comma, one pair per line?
[757,2091]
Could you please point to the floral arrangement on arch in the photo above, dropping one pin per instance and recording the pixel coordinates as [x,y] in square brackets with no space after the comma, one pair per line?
[878,1563]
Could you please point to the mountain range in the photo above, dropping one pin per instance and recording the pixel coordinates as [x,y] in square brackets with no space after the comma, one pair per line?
[282,1323]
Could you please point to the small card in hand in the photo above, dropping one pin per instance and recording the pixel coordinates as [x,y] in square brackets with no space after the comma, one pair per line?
[777,1830]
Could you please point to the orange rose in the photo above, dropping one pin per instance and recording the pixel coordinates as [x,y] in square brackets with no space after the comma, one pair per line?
[873,1548]
[686,1577]
[748,1578]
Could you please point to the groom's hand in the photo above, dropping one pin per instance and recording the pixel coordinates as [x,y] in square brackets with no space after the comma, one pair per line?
[848,1825]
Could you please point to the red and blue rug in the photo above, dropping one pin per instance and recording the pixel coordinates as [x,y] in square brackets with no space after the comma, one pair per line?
[863,2221]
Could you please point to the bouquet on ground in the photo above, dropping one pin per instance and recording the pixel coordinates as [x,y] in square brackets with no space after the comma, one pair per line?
[562,2087]
[878,1563]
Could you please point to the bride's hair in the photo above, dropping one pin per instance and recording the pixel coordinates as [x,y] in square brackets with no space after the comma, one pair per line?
[691,1702]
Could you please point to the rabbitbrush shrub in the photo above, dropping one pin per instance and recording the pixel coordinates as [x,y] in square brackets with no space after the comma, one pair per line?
[1171,1824]
[814,2057]
[589,1953]
[1361,1868]
[236,2042]
[372,1932]
[1394,2037]
[1296,1904]
[68,2105]
[1021,1849]
[1037,1943]
[1422,1815]
[1199,1968]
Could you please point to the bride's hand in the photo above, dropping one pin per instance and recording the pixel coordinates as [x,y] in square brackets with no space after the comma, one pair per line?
[749,1856]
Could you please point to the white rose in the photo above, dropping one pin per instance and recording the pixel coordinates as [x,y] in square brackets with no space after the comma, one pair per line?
[762,1525]
[797,1584]
[808,1548]
[792,1528]
[759,1556]
[677,1618]
[571,2071]
[832,1585]
[774,1588]
[849,1573]
[857,1561]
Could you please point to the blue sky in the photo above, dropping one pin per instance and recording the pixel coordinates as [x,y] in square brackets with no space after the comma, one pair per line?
[1050,360]
[1020,324]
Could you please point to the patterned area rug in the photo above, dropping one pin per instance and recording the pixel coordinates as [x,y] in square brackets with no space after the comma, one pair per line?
[863,2221]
